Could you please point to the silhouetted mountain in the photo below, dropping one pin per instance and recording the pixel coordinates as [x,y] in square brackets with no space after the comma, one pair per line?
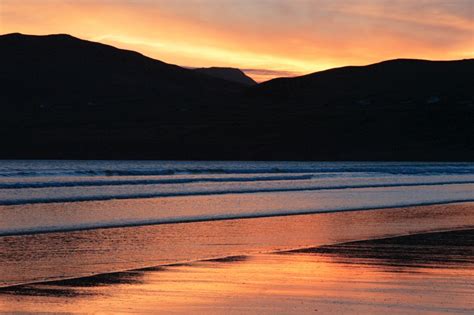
[397,109]
[394,80]
[63,71]
[229,74]
[62,97]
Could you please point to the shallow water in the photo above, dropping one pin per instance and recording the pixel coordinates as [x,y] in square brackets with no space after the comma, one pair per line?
[41,196]
[42,257]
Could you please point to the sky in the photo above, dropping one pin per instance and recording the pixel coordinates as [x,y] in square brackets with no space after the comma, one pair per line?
[265,38]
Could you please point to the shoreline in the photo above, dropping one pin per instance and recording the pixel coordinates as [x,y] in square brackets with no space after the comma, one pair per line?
[230,218]
[236,257]
[152,246]
[214,193]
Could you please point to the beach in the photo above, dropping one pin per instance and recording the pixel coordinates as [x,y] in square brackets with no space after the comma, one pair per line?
[236,237]
[428,273]
[288,264]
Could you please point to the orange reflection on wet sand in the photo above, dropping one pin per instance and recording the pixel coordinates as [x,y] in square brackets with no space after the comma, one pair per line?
[419,275]
[77,254]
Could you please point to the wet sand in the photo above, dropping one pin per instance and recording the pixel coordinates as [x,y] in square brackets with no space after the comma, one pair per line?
[428,273]
[330,271]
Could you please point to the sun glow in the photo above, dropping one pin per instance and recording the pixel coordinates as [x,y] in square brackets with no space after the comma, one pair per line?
[277,38]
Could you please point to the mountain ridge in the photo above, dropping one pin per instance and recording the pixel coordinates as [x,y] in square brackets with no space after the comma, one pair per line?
[227,73]
[62,97]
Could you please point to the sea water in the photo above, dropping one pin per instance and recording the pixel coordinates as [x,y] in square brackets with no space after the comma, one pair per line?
[46,196]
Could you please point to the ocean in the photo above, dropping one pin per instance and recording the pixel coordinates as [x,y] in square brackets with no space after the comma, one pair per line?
[47,196]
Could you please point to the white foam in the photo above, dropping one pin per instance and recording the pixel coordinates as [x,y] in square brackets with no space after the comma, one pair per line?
[20,219]
[52,199]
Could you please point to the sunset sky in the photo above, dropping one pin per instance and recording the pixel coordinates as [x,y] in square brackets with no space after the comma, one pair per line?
[265,38]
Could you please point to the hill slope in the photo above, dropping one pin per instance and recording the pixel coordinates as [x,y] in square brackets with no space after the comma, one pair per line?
[397,109]
[62,97]
[60,70]
[229,74]
[398,80]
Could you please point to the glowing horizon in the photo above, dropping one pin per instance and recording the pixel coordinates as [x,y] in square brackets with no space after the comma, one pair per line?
[264,38]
